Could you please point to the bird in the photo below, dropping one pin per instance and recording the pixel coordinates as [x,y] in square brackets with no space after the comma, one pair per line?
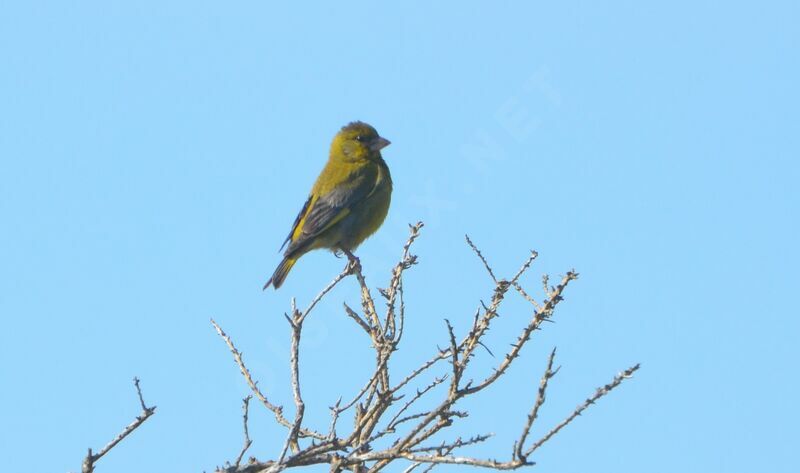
[348,202]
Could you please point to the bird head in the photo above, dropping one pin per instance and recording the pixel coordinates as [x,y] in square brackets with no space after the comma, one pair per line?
[358,141]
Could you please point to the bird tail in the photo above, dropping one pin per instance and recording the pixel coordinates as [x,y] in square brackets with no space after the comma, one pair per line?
[280,273]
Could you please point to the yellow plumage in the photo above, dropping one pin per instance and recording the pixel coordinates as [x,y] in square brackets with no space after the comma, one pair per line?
[347,203]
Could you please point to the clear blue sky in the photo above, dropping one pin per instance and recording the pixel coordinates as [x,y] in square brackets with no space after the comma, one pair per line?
[154,154]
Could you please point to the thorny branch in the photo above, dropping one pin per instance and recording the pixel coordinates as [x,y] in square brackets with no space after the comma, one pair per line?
[601,391]
[540,396]
[247,441]
[386,430]
[276,410]
[92,458]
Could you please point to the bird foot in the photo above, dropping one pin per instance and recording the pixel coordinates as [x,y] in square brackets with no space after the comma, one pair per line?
[350,255]
[354,264]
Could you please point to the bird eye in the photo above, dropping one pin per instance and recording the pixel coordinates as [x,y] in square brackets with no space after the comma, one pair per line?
[360,138]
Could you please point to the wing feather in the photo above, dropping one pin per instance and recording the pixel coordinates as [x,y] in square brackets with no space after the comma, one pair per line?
[297,221]
[327,210]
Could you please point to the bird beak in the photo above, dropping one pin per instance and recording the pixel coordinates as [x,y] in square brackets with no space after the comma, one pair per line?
[379,143]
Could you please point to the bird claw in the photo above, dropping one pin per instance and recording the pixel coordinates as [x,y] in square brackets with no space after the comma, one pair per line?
[350,256]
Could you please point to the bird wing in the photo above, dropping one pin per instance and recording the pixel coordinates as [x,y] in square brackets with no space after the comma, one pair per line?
[297,221]
[321,212]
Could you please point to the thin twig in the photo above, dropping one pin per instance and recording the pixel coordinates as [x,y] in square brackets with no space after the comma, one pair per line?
[453,445]
[363,390]
[480,255]
[348,270]
[334,418]
[276,410]
[361,322]
[540,397]
[396,420]
[526,296]
[420,392]
[91,459]
[247,441]
[443,459]
[366,297]
[413,467]
[601,391]
[425,366]
[536,321]
[406,261]
[402,315]
[454,380]
[525,266]
[296,321]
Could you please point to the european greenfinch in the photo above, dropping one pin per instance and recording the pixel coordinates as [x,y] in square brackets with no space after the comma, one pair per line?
[348,202]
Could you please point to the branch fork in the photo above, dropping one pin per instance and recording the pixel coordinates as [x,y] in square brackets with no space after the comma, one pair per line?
[384,430]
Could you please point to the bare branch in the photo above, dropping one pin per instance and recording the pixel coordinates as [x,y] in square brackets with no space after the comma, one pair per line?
[91,459]
[366,297]
[363,390]
[601,391]
[401,315]
[364,448]
[526,296]
[348,270]
[353,315]
[538,317]
[296,322]
[413,467]
[452,445]
[540,396]
[395,284]
[480,255]
[334,418]
[247,441]
[276,410]
[525,266]
[425,366]
[445,459]
[420,392]
[395,421]
[454,359]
